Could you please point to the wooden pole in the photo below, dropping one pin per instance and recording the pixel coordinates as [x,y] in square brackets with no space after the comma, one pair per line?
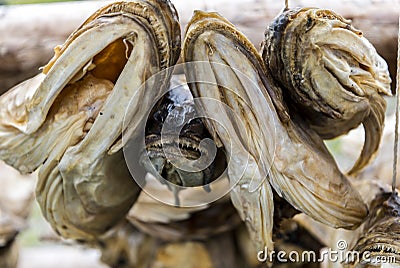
[28,33]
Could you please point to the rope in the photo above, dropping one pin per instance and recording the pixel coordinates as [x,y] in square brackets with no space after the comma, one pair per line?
[396,133]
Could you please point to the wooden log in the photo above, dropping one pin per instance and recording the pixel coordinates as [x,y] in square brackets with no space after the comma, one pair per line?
[28,33]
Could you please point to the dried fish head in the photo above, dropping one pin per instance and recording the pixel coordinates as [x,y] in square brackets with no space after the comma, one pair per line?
[329,73]
[174,136]
[380,239]
[266,147]
[68,120]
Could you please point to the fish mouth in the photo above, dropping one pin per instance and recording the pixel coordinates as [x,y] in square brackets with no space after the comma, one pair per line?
[179,147]
[381,245]
[381,242]
[380,252]
[384,248]
[188,147]
[172,159]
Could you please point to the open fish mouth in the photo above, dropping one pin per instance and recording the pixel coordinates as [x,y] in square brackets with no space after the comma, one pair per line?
[174,135]
[380,243]
[189,147]
[382,248]
[189,150]
[379,252]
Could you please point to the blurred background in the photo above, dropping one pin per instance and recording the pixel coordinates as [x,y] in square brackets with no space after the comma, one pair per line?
[23,2]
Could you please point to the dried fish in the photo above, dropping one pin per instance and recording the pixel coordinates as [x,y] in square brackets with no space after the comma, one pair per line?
[379,242]
[317,78]
[68,120]
[330,75]
[272,149]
